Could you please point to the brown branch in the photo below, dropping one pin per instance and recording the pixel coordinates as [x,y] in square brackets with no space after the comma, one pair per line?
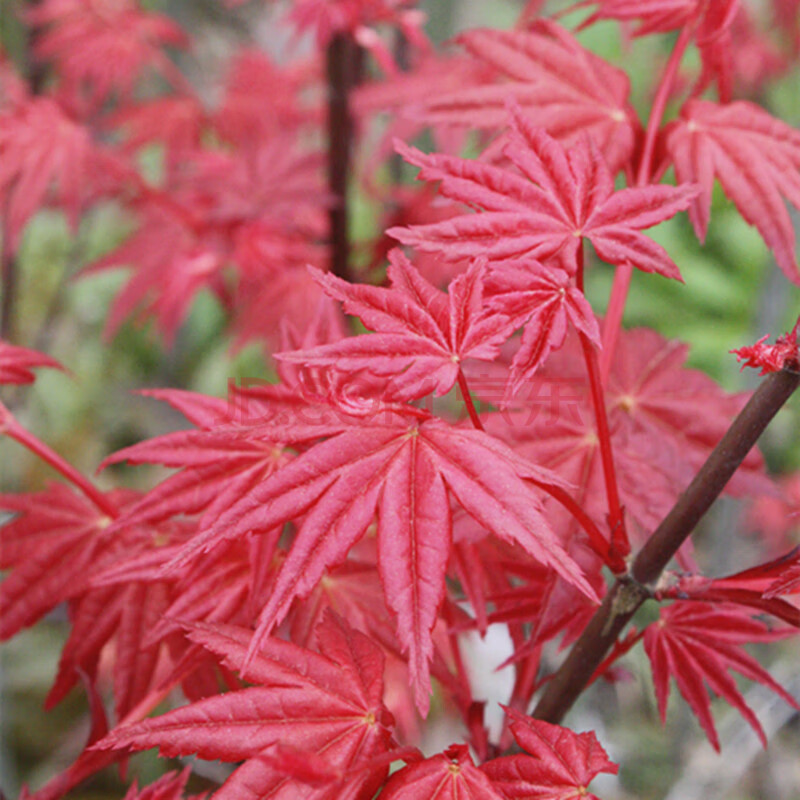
[629,592]
[343,66]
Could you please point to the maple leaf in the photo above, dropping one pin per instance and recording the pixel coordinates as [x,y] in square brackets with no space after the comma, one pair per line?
[755,157]
[664,419]
[660,16]
[49,548]
[422,335]
[168,787]
[41,146]
[217,466]
[16,363]
[544,299]
[772,357]
[53,548]
[245,119]
[102,44]
[178,122]
[253,207]
[754,587]
[776,517]
[566,89]
[326,704]
[693,643]
[560,198]
[561,764]
[403,465]
[328,18]
[450,775]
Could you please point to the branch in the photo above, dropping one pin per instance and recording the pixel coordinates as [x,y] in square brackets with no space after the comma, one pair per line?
[629,592]
[343,61]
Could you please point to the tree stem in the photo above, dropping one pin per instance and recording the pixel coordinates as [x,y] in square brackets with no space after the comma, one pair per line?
[629,592]
[343,56]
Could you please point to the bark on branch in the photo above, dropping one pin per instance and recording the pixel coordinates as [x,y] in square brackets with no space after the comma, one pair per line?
[630,591]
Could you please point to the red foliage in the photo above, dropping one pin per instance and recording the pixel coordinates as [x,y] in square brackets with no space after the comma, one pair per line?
[489,450]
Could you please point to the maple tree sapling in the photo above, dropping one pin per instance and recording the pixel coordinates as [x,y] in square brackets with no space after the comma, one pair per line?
[452,436]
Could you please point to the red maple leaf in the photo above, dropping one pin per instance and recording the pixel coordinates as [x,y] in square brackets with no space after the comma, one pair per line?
[696,644]
[664,418]
[546,208]
[403,465]
[561,764]
[660,16]
[219,462]
[566,89]
[757,587]
[49,547]
[245,119]
[422,334]
[772,357]
[53,549]
[168,787]
[545,299]
[450,775]
[16,363]
[755,157]
[326,704]
[102,44]
[41,146]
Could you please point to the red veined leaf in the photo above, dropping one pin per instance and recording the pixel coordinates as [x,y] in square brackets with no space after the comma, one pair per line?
[168,787]
[696,645]
[755,157]
[422,335]
[754,587]
[448,776]
[41,146]
[326,703]
[569,91]
[545,208]
[404,467]
[245,119]
[49,548]
[561,764]
[660,16]
[544,299]
[102,44]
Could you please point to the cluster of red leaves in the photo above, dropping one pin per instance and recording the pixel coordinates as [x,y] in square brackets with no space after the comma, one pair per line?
[772,357]
[315,549]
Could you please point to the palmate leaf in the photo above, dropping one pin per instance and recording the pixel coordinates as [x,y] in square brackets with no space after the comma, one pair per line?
[327,704]
[755,157]
[544,209]
[422,335]
[102,44]
[41,146]
[696,644]
[561,764]
[16,363]
[404,466]
[547,301]
[566,89]
[447,776]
